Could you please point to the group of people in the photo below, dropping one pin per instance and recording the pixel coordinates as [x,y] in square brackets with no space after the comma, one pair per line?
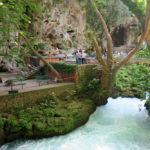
[80,57]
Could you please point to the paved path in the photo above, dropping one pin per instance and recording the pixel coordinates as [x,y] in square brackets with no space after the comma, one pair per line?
[8,76]
[37,88]
[29,84]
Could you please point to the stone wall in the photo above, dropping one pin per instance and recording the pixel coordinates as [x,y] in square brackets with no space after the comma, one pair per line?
[29,97]
[85,73]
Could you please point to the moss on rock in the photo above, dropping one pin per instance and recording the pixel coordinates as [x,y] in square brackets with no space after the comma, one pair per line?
[49,116]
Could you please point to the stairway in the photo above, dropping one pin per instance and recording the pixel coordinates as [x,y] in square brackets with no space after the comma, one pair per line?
[29,74]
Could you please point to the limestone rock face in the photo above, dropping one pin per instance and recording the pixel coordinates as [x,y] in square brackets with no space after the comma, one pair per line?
[128,32]
[62,25]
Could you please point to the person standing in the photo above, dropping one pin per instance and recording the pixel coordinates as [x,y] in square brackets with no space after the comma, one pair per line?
[77,57]
[83,57]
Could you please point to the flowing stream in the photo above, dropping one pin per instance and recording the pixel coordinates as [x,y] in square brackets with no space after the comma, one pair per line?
[122,124]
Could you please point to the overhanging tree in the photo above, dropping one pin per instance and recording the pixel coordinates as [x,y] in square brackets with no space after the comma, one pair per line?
[14,21]
[109,68]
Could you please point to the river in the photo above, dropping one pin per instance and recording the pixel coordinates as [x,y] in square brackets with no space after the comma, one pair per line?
[119,125]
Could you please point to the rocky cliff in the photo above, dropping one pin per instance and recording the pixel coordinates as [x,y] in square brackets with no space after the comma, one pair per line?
[63,25]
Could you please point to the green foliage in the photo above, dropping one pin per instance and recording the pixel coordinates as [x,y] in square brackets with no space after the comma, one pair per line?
[137,7]
[26,124]
[10,123]
[70,123]
[18,107]
[49,101]
[63,67]
[40,46]
[1,122]
[25,115]
[40,126]
[48,112]
[147,104]
[16,17]
[112,11]
[58,23]
[80,1]
[143,53]
[92,85]
[133,77]
[57,1]
[88,101]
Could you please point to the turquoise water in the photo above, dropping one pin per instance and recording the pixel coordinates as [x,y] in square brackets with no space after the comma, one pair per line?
[119,125]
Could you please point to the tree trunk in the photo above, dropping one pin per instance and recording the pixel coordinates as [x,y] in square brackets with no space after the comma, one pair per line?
[147,18]
[42,59]
[108,36]
[110,69]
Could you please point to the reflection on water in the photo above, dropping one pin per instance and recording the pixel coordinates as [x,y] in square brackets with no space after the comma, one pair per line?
[119,125]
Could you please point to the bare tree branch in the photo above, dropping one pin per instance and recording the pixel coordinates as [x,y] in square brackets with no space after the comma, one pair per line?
[109,39]
[98,51]
[147,18]
[41,58]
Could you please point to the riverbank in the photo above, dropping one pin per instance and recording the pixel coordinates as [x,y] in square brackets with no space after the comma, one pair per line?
[132,81]
[50,116]
[119,125]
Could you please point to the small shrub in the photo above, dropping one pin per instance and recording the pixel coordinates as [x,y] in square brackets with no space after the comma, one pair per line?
[63,67]
[92,85]
[26,124]
[48,112]
[39,125]
[10,123]
[25,115]
[70,124]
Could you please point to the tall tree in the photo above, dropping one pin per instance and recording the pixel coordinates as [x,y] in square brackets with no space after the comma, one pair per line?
[146,23]
[109,68]
[113,11]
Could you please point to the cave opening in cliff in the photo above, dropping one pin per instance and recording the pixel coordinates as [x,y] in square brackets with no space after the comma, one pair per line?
[119,36]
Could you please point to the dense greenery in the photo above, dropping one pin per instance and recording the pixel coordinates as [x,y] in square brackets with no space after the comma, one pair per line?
[132,80]
[50,116]
[112,11]
[64,67]
[137,7]
[16,18]
[143,52]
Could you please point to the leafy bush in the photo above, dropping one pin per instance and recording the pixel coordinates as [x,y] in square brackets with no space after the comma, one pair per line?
[70,124]
[63,67]
[39,125]
[49,100]
[25,115]
[92,85]
[143,53]
[49,112]
[134,75]
[11,122]
[26,124]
